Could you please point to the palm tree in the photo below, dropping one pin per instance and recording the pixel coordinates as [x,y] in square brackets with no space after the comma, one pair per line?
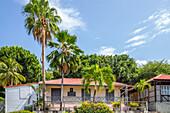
[98,76]
[142,85]
[37,91]
[41,21]
[65,57]
[9,72]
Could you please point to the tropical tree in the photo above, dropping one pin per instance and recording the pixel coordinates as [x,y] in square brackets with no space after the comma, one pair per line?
[65,57]
[41,21]
[29,62]
[9,72]
[98,76]
[37,90]
[142,85]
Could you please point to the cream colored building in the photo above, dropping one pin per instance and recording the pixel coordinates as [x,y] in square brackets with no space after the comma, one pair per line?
[73,94]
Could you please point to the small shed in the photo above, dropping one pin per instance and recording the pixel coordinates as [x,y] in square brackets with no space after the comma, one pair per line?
[18,96]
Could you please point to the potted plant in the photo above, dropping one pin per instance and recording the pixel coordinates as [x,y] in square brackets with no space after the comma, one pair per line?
[133,105]
[116,106]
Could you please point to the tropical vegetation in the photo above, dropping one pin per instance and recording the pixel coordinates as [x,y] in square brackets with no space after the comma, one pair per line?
[98,76]
[41,21]
[29,62]
[66,56]
[89,107]
[142,85]
[9,72]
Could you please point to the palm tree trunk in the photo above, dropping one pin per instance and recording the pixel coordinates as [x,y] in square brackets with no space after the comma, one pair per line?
[61,89]
[94,95]
[11,82]
[43,65]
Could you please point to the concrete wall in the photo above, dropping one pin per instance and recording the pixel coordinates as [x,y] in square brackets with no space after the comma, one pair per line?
[17,97]
[163,107]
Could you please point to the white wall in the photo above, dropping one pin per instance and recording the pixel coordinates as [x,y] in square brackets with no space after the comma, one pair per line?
[17,97]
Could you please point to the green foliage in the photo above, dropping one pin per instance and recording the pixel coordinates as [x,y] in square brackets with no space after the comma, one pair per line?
[31,67]
[1,99]
[9,72]
[88,107]
[142,85]
[29,108]
[22,111]
[123,67]
[40,16]
[115,104]
[98,76]
[152,69]
[133,104]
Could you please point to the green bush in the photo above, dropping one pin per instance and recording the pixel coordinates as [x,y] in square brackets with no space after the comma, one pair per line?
[89,107]
[22,111]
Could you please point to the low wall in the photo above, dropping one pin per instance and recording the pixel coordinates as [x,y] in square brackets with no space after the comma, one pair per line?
[163,107]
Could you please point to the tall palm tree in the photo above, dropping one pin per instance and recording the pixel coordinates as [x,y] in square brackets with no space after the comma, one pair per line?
[9,72]
[41,21]
[98,76]
[66,56]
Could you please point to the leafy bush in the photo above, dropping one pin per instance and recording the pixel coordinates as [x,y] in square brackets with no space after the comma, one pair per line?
[89,107]
[22,111]
[1,99]
[133,104]
[115,104]
[29,108]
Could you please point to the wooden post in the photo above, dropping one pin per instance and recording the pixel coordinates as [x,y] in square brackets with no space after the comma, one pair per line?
[148,95]
[155,91]
[160,93]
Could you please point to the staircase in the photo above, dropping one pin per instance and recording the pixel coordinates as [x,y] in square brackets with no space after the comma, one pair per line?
[2,107]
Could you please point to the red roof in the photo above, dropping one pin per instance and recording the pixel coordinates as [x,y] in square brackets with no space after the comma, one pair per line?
[66,81]
[160,77]
[21,85]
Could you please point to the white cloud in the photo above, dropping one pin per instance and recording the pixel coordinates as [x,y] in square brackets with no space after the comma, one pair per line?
[141,62]
[135,38]
[128,51]
[136,44]
[107,50]
[138,30]
[71,19]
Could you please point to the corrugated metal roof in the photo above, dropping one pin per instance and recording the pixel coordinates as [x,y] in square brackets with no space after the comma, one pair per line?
[160,77]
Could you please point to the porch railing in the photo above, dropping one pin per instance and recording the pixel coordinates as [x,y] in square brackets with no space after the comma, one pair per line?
[57,99]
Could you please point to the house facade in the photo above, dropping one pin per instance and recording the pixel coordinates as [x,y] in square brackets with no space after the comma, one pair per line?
[73,94]
[158,97]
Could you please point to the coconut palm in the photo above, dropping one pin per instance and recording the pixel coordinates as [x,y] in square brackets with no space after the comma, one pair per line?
[9,72]
[66,56]
[41,21]
[98,76]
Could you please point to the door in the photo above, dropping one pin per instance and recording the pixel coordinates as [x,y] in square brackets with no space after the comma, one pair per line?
[85,96]
[55,95]
[110,96]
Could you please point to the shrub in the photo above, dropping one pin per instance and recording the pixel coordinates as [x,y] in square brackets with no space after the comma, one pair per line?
[115,104]
[133,104]
[89,107]
[22,111]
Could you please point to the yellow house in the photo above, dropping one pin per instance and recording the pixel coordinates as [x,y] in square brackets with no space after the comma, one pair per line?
[73,94]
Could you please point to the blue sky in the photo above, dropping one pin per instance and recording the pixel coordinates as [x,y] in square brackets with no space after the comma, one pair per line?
[139,28]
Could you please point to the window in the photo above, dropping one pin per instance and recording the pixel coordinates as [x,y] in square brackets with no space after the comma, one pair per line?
[165,89]
[71,93]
